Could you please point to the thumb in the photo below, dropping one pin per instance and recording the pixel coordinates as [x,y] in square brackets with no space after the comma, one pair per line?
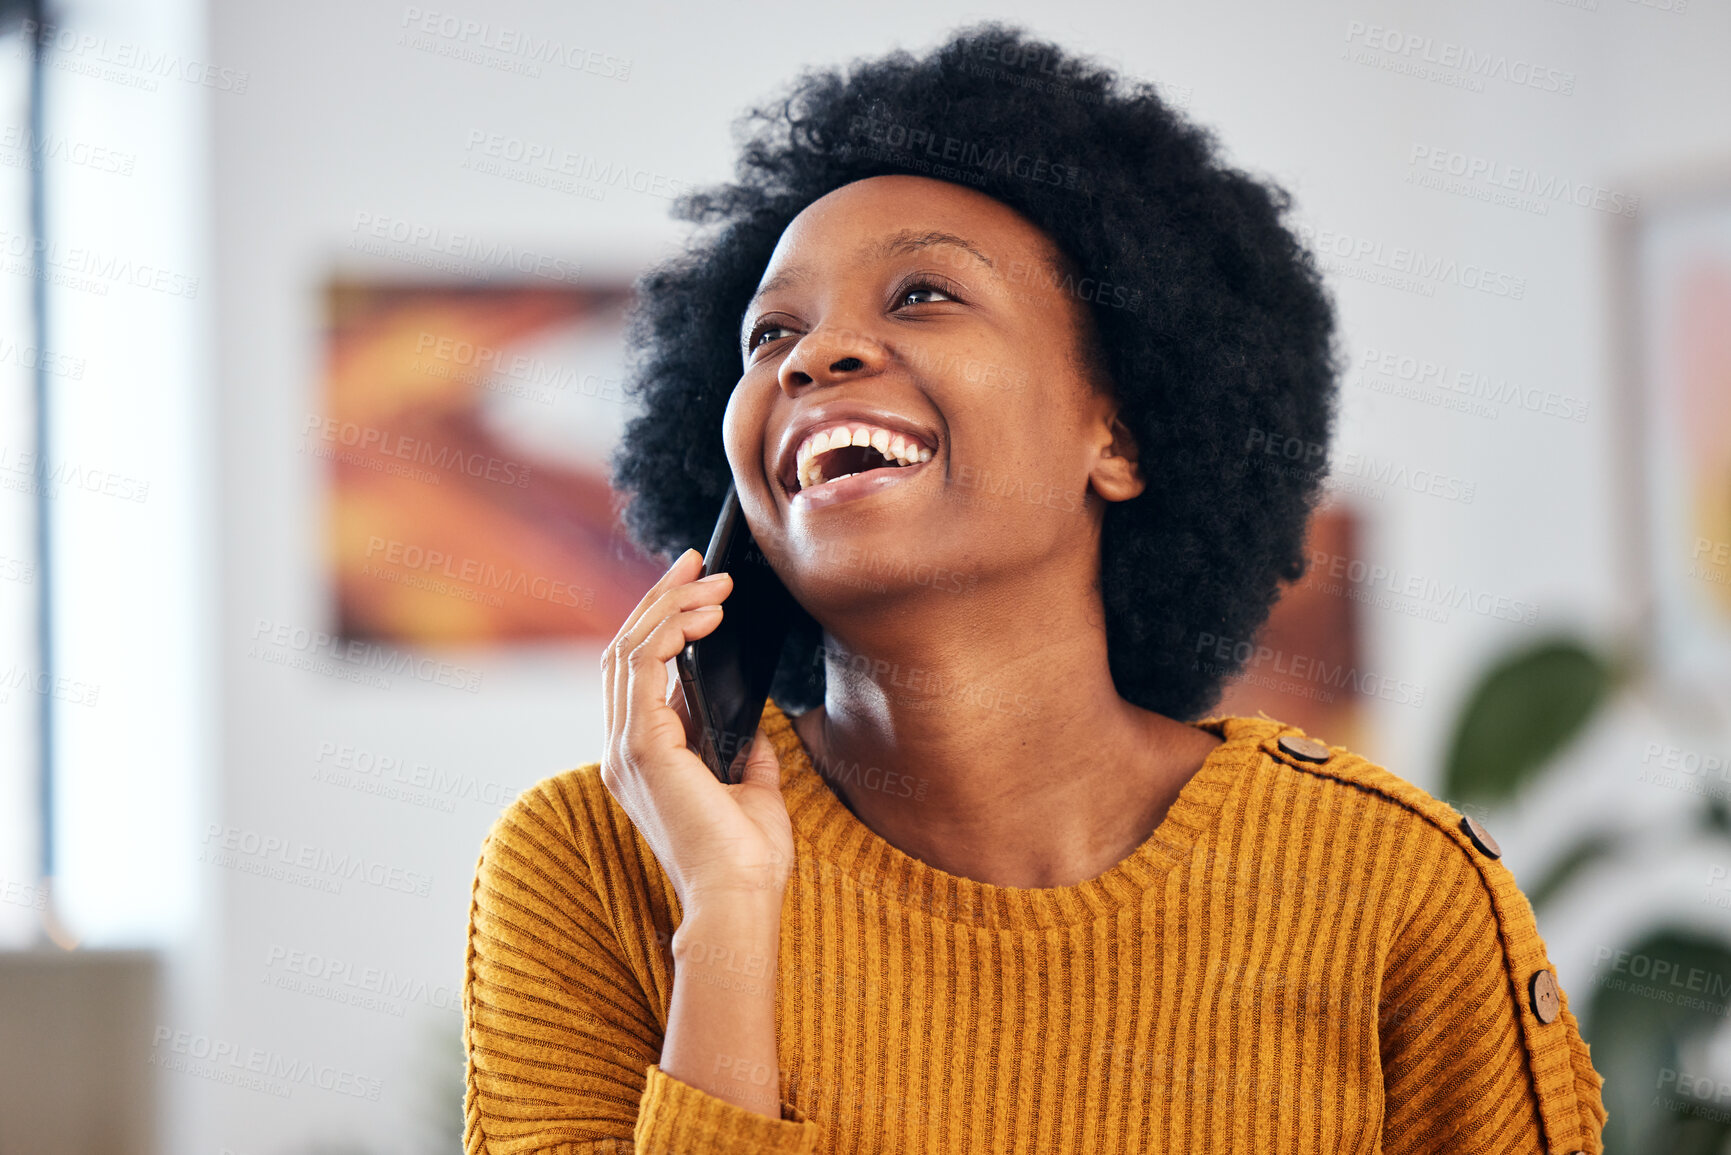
[762,767]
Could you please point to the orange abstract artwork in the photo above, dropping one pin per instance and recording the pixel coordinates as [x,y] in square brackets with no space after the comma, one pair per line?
[1678,407]
[1703,343]
[466,433]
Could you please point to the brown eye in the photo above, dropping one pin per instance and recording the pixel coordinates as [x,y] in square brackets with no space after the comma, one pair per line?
[764,331]
[925,289]
[927,292]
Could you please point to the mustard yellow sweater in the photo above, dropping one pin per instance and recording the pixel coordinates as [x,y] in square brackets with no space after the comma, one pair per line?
[1308,955]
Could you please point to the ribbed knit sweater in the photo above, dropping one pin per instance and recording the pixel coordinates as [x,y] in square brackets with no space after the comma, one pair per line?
[1304,956]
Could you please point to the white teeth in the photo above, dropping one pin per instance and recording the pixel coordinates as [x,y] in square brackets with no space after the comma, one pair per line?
[894,446]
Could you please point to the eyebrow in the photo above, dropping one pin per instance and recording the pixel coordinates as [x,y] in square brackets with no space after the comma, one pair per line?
[909,241]
[906,241]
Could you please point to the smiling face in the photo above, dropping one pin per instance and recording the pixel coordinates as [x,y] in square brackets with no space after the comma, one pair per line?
[916,413]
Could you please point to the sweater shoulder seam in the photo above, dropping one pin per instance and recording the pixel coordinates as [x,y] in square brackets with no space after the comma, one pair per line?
[1523,951]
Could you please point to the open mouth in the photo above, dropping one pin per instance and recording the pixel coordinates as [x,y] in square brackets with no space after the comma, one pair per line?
[853,450]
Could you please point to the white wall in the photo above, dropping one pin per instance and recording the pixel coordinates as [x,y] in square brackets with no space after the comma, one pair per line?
[341,118]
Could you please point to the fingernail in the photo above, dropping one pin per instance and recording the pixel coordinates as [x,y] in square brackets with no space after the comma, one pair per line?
[714,577]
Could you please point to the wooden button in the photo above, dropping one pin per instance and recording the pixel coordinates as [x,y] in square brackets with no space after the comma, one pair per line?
[1481,837]
[1308,749]
[1547,1004]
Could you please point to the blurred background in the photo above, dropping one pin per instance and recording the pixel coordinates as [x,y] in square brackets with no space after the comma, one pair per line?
[310,360]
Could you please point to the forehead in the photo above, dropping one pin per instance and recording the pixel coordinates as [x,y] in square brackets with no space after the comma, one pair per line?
[854,218]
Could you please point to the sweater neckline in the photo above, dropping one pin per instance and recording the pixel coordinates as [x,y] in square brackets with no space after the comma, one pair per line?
[841,842]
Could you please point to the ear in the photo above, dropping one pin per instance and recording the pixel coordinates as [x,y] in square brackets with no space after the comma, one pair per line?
[1116,475]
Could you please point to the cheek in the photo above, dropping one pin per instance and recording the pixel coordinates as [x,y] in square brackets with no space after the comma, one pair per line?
[1026,447]
[742,429]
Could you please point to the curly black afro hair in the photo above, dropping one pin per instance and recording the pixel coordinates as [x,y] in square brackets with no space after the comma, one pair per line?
[1211,321]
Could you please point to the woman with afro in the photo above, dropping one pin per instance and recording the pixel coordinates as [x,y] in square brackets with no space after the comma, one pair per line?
[984,340]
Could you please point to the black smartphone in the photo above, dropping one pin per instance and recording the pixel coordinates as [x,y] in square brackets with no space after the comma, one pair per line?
[726,676]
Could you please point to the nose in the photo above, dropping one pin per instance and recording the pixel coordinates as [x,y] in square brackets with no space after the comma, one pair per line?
[829,354]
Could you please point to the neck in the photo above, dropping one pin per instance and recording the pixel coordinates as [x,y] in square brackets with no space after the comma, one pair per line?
[1003,756]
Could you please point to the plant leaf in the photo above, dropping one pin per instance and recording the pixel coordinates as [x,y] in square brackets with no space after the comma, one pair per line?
[1526,708]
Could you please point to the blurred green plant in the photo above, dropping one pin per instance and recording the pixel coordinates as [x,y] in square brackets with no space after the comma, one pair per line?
[1641,1042]
[1523,713]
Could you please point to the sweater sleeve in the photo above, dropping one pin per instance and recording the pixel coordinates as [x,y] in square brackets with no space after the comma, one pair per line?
[1469,1062]
[562,1041]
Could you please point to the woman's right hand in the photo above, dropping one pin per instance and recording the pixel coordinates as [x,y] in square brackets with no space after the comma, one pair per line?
[718,843]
